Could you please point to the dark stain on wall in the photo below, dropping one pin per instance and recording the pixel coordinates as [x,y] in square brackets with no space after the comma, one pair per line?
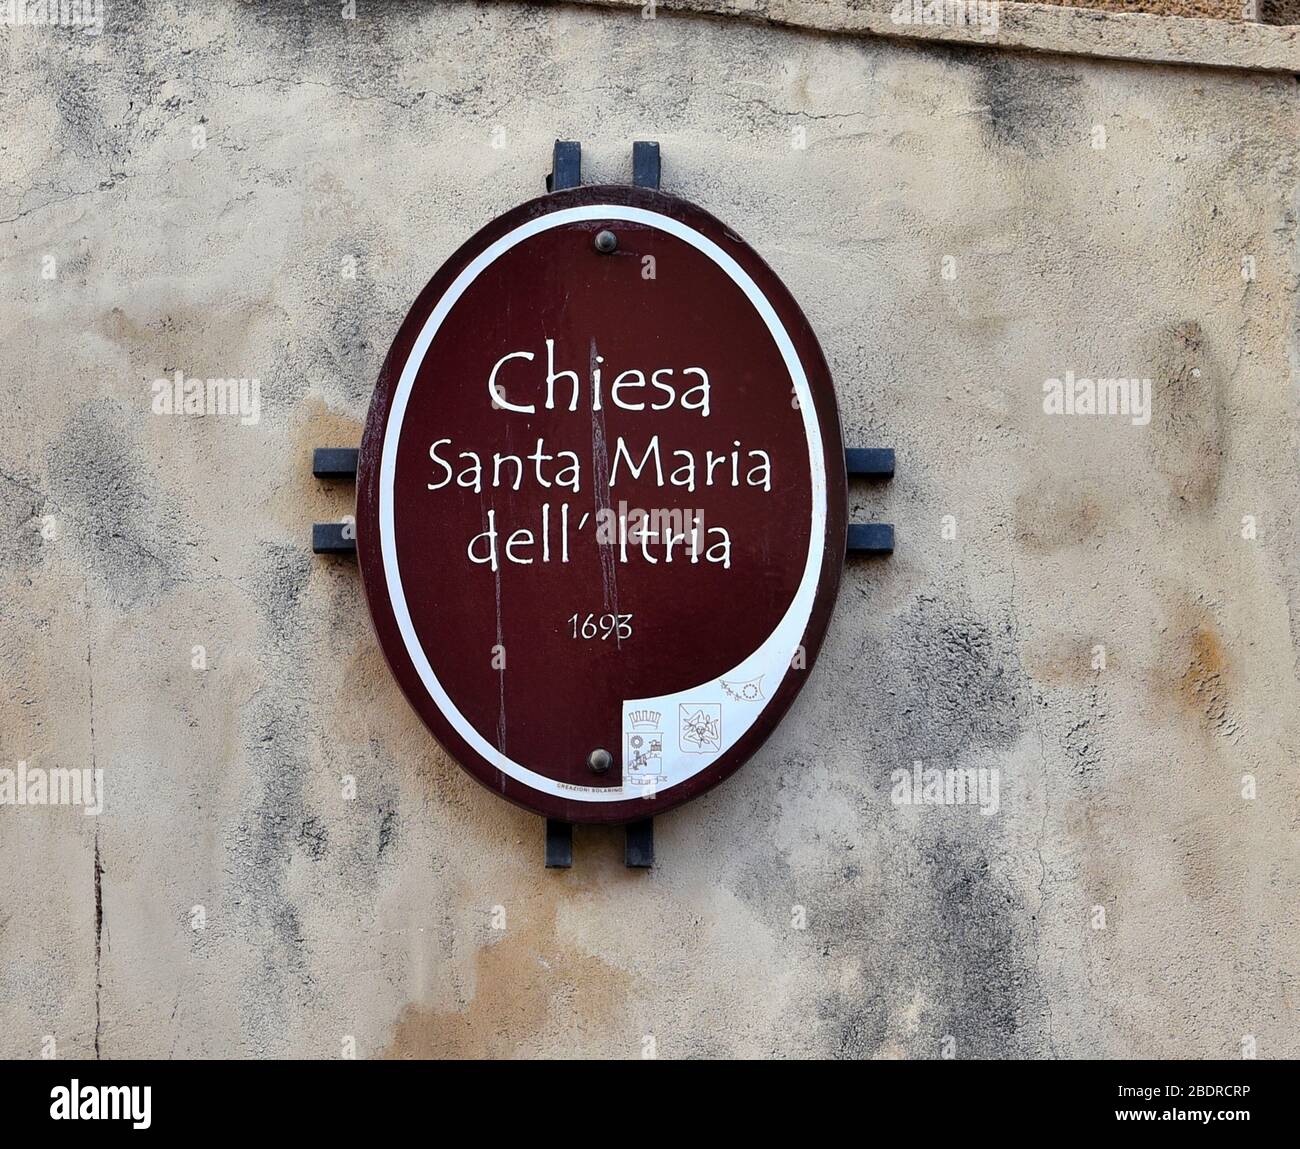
[917,929]
[133,534]
[1189,429]
[274,822]
[950,682]
[980,942]
[22,507]
[1033,106]
[943,947]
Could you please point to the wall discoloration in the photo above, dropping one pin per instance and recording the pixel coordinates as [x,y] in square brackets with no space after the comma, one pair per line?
[939,656]
[1026,113]
[115,507]
[529,984]
[974,647]
[1204,682]
[22,510]
[1189,445]
[1062,511]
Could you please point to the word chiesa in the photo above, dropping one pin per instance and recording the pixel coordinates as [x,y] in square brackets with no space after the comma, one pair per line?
[630,390]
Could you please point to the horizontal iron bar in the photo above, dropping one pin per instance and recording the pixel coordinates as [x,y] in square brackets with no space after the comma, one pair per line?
[870,461]
[341,462]
[864,539]
[329,539]
[871,538]
[334,462]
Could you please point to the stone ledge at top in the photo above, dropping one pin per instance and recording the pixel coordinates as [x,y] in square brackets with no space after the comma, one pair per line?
[1201,40]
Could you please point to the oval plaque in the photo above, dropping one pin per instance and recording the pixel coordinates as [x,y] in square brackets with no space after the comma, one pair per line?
[601,503]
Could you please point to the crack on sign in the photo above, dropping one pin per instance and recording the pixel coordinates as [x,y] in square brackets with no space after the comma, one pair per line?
[499,653]
[600,491]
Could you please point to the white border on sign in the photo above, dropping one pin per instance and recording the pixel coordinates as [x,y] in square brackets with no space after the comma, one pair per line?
[776,652]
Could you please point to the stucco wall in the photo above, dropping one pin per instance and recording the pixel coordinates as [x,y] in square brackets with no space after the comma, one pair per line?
[323,917]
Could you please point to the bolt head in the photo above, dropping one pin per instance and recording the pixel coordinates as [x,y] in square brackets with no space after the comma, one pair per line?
[599,761]
[606,242]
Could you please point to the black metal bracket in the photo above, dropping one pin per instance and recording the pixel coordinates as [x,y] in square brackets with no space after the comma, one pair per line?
[340,463]
[333,539]
[559,844]
[334,462]
[871,539]
[645,164]
[876,462]
[871,463]
[566,166]
[639,844]
[566,172]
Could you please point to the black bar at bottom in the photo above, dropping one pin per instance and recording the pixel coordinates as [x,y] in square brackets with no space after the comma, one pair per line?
[871,538]
[559,844]
[1101,1095]
[639,848]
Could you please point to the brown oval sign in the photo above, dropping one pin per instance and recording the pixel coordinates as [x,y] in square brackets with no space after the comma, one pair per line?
[601,503]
